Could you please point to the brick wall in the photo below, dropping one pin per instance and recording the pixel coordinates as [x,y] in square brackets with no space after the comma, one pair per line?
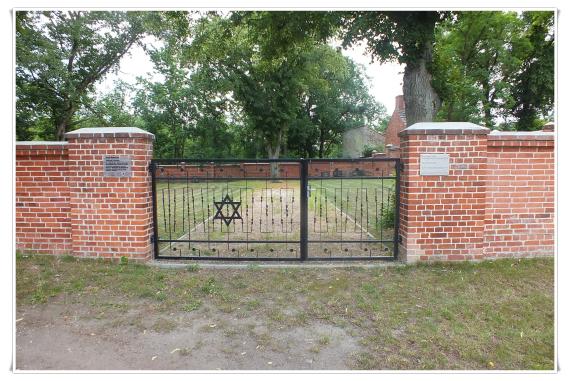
[65,204]
[497,201]
[519,218]
[43,221]
[442,217]
[111,216]
[286,170]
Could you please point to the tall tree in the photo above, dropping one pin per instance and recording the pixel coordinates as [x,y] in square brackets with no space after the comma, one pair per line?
[477,56]
[335,98]
[112,109]
[264,76]
[60,55]
[185,111]
[495,65]
[406,37]
[533,88]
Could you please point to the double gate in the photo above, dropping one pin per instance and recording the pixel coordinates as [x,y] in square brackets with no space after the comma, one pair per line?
[282,209]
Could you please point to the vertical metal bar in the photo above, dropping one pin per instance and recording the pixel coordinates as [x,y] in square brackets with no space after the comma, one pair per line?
[304,206]
[397,212]
[169,214]
[154,209]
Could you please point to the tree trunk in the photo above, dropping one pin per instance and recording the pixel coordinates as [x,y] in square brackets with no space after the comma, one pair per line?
[487,106]
[273,151]
[321,141]
[62,126]
[450,111]
[61,129]
[422,102]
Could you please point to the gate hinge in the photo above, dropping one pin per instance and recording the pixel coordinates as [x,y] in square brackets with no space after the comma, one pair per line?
[402,166]
[152,238]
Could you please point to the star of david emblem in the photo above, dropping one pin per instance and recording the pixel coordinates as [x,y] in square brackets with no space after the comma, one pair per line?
[227,201]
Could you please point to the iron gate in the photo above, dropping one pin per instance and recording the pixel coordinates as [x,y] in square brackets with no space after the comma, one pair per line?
[281,209]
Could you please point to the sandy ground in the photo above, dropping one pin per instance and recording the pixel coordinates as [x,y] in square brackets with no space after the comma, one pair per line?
[56,336]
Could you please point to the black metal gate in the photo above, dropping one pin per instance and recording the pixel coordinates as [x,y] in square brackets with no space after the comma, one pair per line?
[282,209]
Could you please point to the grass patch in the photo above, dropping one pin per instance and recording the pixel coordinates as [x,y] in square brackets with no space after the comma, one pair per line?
[488,315]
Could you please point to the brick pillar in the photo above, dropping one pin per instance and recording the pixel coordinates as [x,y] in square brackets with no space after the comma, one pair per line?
[442,216]
[111,212]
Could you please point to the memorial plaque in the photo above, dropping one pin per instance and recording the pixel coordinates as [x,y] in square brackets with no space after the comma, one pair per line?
[117,166]
[434,164]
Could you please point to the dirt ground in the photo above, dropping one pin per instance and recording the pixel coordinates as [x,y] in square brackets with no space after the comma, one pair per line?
[58,337]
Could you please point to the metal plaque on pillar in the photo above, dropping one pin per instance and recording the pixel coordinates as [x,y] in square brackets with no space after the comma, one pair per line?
[434,164]
[117,166]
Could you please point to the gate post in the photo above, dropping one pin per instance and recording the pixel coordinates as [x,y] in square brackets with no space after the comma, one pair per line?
[304,189]
[442,215]
[110,192]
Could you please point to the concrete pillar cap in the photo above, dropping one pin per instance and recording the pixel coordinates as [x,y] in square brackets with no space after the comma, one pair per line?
[109,132]
[445,128]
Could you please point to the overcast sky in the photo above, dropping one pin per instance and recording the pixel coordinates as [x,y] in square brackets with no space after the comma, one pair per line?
[386,79]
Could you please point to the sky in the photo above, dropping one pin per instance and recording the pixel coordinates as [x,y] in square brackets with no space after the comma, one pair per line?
[385,79]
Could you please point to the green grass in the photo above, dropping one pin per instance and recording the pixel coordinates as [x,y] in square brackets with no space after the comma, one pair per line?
[488,315]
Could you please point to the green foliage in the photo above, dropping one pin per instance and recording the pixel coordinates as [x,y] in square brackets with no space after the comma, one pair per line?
[266,84]
[60,55]
[490,66]
[297,95]
[185,111]
[335,98]
[369,150]
[388,214]
[391,36]
[406,37]
[111,109]
[533,88]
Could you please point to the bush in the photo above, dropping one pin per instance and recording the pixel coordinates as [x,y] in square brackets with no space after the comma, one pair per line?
[388,213]
[369,150]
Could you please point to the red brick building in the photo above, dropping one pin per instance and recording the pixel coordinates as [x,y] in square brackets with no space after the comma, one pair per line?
[396,124]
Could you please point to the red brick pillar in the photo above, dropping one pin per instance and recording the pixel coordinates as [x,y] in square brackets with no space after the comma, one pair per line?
[443,187]
[110,192]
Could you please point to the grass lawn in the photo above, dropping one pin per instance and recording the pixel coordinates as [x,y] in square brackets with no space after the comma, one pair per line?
[490,315]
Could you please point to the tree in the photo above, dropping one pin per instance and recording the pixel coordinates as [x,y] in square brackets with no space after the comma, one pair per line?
[483,63]
[185,111]
[335,98]
[59,58]
[406,37]
[533,88]
[477,56]
[112,109]
[263,77]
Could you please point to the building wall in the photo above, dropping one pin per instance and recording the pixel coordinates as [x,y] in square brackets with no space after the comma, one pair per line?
[111,216]
[397,123]
[442,217]
[355,140]
[285,170]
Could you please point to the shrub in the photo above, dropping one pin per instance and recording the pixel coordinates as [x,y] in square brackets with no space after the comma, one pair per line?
[388,213]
